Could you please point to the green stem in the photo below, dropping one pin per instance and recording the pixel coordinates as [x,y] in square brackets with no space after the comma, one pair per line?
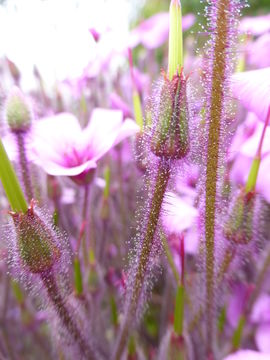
[10,183]
[162,178]
[169,256]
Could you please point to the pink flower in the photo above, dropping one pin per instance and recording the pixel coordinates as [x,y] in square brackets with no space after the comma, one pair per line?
[153,32]
[179,217]
[244,148]
[255,25]
[247,355]
[258,52]
[62,148]
[252,89]
[261,316]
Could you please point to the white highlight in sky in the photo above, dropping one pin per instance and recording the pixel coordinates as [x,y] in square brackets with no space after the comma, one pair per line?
[54,34]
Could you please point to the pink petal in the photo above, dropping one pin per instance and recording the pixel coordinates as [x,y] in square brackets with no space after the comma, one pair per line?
[252,88]
[247,355]
[259,52]
[263,182]
[255,25]
[178,215]
[261,309]
[106,128]
[52,136]
[153,32]
[55,169]
[262,337]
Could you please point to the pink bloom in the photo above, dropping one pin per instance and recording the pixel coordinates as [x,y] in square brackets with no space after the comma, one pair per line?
[255,25]
[259,51]
[178,217]
[247,355]
[117,103]
[153,32]
[261,316]
[243,154]
[252,89]
[62,148]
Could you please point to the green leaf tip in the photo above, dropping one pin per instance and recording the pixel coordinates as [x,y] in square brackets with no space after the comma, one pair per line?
[10,183]
[175,61]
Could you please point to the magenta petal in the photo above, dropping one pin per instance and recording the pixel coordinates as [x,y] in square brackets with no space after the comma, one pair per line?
[250,146]
[252,88]
[259,52]
[240,169]
[127,129]
[117,103]
[255,25]
[106,128]
[55,169]
[262,337]
[153,32]
[247,355]
[264,178]
[178,215]
[260,312]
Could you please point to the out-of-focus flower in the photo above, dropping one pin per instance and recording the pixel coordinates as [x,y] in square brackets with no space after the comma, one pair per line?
[261,316]
[247,355]
[244,149]
[178,217]
[62,148]
[153,32]
[258,52]
[255,25]
[252,88]
[117,103]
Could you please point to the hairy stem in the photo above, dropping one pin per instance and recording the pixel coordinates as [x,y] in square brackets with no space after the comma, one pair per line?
[162,178]
[26,177]
[215,116]
[65,316]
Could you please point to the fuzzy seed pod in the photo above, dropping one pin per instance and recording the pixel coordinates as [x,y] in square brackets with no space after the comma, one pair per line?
[18,113]
[37,246]
[170,138]
[239,226]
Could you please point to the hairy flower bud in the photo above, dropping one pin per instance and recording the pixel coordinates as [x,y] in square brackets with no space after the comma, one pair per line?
[239,225]
[170,138]
[18,113]
[36,243]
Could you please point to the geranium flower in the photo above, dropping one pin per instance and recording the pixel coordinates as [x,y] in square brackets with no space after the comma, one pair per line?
[261,316]
[153,32]
[252,89]
[244,147]
[62,148]
[258,52]
[256,25]
[179,217]
[247,355]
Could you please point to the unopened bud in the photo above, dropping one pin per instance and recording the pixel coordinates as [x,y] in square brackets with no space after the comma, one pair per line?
[239,226]
[35,241]
[170,138]
[18,113]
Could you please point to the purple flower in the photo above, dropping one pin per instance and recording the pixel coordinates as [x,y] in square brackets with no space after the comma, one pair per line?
[255,25]
[62,148]
[178,217]
[247,355]
[252,88]
[153,32]
[259,51]
[261,316]
[244,148]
